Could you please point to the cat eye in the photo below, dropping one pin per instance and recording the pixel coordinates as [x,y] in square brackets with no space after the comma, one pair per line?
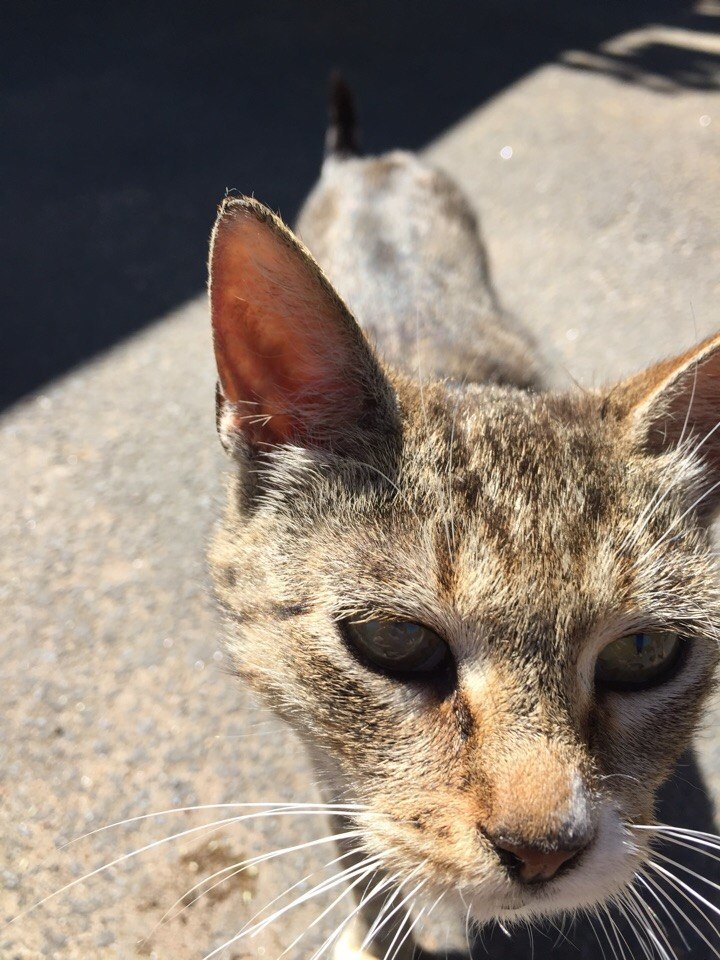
[638,660]
[398,646]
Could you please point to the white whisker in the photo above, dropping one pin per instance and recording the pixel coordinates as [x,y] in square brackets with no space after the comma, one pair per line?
[467,927]
[389,916]
[228,873]
[279,806]
[341,926]
[346,920]
[618,932]
[251,931]
[663,539]
[121,859]
[649,919]
[683,913]
[386,904]
[681,885]
[653,506]
[625,913]
[408,934]
[614,930]
[693,873]
[661,903]
[590,919]
[710,839]
[294,886]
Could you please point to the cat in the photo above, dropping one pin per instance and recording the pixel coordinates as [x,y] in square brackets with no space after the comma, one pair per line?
[490,608]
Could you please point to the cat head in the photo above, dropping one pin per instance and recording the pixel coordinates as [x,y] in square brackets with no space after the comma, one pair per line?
[493,613]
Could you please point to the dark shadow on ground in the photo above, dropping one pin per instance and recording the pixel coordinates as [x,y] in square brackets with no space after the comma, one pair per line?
[126,122]
[661,58]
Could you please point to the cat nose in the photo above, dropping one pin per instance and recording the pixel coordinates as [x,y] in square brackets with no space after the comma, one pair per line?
[533,864]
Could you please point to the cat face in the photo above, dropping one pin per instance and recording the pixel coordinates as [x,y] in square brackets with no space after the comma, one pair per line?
[546,554]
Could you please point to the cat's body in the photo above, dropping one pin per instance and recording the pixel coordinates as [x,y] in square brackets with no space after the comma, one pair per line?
[431,309]
[516,537]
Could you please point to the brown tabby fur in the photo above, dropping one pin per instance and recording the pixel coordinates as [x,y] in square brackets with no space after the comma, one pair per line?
[527,528]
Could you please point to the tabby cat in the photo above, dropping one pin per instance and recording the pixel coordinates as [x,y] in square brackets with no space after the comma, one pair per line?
[491,609]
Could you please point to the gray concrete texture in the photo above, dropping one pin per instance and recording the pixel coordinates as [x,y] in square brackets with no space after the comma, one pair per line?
[598,184]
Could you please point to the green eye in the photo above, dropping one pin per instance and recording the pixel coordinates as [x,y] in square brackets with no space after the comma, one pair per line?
[638,660]
[398,646]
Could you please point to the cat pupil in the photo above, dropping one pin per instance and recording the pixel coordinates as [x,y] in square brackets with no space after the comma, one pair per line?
[641,642]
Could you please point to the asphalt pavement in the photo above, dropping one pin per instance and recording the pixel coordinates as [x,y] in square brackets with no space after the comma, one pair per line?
[588,137]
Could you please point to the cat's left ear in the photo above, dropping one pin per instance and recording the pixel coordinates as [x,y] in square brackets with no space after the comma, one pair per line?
[675,401]
[294,366]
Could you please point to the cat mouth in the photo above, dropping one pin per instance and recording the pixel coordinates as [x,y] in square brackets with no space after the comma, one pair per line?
[529,895]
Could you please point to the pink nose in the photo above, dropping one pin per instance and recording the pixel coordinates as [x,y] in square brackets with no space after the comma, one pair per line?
[533,865]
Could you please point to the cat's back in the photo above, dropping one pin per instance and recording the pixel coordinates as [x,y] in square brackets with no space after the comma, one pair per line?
[401,243]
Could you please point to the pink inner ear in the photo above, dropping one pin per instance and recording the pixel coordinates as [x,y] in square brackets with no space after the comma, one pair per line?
[694,408]
[679,399]
[283,343]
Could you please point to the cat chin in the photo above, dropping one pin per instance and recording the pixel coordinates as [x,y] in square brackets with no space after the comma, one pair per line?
[607,867]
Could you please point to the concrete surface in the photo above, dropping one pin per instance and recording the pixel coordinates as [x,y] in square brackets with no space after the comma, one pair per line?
[602,226]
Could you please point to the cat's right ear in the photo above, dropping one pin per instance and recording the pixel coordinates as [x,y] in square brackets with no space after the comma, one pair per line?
[677,402]
[293,365]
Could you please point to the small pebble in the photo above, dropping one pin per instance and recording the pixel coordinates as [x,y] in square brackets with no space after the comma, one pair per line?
[10,880]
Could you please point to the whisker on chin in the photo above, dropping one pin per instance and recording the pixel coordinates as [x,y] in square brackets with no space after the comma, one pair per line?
[399,933]
[561,935]
[618,904]
[377,927]
[389,899]
[351,872]
[337,932]
[661,903]
[467,924]
[658,924]
[294,886]
[589,916]
[329,940]
[426,912]
[683,913]
[618,934]
[602,914]
[649,924]
[408,934]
